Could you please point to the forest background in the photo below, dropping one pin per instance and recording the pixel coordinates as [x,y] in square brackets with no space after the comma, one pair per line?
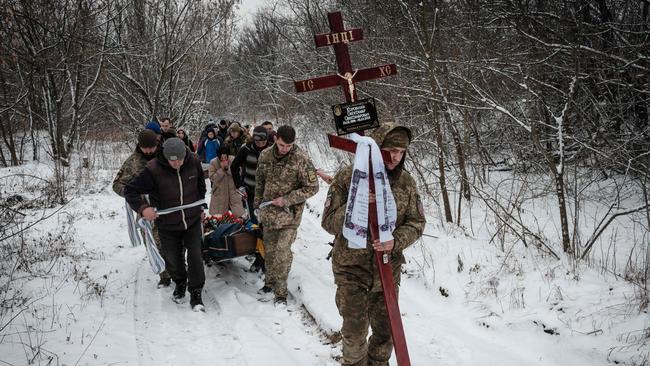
[554,95]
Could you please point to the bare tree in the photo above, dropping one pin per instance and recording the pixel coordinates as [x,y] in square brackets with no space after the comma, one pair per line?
[165,53]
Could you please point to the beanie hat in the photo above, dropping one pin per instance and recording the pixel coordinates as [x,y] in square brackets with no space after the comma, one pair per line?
[147,138]
[174,149]
[260,134]
[397,138]
[153,126]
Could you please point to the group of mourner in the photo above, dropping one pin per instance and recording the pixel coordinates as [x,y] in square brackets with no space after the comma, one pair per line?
[251,166]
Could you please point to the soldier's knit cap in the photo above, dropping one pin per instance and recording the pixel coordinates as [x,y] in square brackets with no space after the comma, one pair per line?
[397,138]
[147,138]
[174,149]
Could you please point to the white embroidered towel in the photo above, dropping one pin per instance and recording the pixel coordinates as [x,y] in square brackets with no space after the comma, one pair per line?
[355,225]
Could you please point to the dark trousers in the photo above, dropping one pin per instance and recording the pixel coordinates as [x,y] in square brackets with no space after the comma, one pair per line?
[172,243]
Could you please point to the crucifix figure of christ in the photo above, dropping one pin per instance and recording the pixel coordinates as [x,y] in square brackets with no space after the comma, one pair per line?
[346,79]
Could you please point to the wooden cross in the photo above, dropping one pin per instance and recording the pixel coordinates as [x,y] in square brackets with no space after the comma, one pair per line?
[346,78]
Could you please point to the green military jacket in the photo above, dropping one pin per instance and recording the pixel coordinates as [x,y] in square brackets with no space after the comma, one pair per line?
[130,169]
[293,177]
[410,216]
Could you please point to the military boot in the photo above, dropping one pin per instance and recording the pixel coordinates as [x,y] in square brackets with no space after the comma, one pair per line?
[266,293]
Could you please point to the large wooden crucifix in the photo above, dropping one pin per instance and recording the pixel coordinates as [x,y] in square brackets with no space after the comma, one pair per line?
[346,79]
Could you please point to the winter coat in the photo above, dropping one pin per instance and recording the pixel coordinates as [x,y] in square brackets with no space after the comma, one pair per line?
[130,169]
[168,187]
[222,133]
[409,226]
[200,149]
[224,192]
[211,149]
[188,143]
[244,166]
[292,177]
[167,135]
[231,146]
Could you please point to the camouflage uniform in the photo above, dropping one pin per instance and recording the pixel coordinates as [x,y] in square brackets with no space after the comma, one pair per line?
[359,295]
[130,169]
[292,177]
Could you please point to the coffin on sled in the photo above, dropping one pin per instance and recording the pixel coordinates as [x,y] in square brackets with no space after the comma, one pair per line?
[226,237]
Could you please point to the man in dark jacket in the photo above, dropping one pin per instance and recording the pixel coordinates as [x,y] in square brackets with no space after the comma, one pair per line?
[245,163]
[173,179]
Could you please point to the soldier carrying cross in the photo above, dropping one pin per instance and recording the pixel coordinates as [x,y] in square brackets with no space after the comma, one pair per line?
[359,294]
[366,292]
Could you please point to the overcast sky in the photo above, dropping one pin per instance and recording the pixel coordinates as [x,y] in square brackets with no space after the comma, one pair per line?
[248,7]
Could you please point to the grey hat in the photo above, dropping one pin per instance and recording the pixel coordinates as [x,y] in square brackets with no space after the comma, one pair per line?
[174,149]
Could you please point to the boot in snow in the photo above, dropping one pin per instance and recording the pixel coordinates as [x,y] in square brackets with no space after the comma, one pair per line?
[266,294]
[195,299]
[164,282]
[179,292]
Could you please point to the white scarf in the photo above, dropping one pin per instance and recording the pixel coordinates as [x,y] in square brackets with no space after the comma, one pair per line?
[355,225]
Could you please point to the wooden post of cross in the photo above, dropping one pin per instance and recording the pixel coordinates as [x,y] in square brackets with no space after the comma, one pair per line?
[346,79]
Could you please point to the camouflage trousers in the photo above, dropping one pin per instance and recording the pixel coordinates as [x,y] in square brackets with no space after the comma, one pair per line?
[164,274]
[278,258]
[360,302]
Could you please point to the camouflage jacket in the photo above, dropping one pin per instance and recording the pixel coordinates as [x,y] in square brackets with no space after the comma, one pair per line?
[410,216]
[130,169]
[293,177]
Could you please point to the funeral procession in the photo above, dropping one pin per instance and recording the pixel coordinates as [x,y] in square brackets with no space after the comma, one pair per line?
[323,183]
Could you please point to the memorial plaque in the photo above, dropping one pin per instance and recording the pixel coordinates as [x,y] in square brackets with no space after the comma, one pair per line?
[355,116]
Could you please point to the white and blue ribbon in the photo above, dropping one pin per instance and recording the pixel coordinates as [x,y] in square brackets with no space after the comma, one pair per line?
[132,226]
[156,261]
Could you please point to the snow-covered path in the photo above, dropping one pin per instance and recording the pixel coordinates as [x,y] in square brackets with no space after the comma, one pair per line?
[131,322]
[237,329]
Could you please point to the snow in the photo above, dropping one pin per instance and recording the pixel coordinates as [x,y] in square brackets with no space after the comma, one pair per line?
[92,299]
